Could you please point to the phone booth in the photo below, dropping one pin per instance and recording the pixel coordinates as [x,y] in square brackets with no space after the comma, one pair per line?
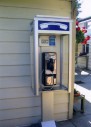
[51,66]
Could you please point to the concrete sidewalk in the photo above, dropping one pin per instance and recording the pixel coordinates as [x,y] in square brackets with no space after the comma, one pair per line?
[79,121]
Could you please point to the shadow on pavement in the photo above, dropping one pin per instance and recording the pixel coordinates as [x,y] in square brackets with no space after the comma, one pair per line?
[83,78]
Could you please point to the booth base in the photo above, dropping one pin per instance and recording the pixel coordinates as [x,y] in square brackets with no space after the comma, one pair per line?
[55,105]
[47,105]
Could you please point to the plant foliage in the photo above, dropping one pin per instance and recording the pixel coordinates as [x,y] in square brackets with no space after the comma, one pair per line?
[80,34]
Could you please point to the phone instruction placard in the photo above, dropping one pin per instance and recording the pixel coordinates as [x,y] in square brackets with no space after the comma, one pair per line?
[52,40]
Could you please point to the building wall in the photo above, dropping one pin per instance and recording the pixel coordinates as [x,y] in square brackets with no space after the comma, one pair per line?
[82,60]
[89,60]
[18,105]
[89,42]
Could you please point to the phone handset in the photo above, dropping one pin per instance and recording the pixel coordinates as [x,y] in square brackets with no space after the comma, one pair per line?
[49,68]
[50,64]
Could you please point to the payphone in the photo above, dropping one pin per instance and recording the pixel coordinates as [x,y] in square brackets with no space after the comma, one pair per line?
[49,68]
[51,53]
[52,73]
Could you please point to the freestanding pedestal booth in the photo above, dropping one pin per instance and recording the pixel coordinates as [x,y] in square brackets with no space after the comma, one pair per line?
[51,66]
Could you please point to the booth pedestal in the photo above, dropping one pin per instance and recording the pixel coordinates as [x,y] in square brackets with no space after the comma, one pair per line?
[47,105]
[55,105]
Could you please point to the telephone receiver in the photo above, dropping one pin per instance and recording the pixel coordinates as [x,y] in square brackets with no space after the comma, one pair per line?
[50,64]
[49,68]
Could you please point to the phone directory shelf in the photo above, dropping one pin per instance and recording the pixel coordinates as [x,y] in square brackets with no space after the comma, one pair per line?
[52,88]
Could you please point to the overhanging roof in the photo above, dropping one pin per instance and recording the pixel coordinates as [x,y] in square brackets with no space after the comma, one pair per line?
[85,19]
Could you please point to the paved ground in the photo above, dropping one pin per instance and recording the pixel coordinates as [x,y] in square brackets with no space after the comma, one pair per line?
[81,120]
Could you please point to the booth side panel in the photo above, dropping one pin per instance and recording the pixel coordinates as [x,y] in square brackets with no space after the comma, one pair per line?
[65,56]
[71,93]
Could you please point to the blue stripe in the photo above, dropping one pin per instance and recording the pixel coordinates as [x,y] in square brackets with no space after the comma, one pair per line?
[53,25]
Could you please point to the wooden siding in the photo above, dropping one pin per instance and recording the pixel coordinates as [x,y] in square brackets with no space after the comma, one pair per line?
[17,122]
[18,105]
[15,81]
[26,102]
[15,59]
[39,4]
[81,61]
[28,13]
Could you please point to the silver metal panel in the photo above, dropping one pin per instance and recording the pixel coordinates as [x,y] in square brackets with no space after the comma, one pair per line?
[36,58]
[70,60]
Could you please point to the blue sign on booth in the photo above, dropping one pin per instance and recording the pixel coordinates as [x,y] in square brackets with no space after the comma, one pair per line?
[53,25]
[52,40]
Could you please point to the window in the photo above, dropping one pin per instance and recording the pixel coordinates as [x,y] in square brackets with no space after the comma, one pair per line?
[89,24]
[85,49]
[85,25]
